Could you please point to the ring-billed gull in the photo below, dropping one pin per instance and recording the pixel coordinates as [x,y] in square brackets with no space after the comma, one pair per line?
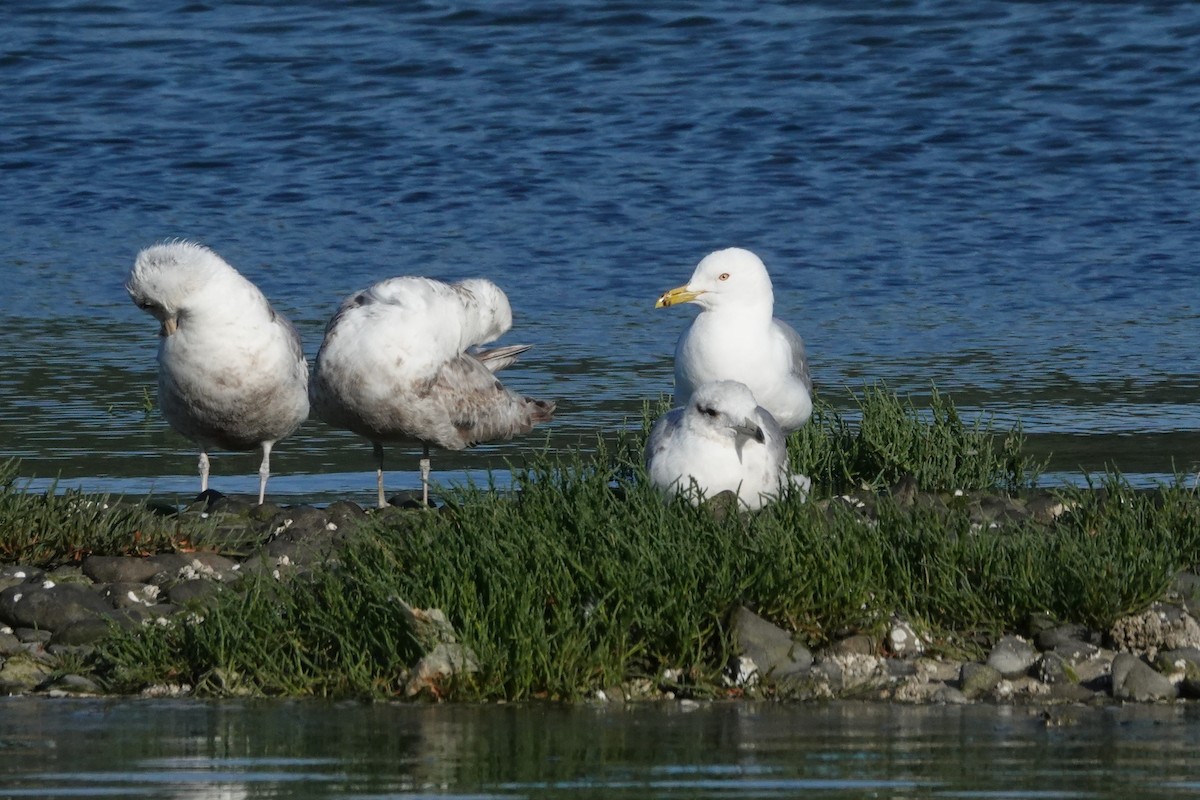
[735,337]
[395,367]
[721,440]
[231,371]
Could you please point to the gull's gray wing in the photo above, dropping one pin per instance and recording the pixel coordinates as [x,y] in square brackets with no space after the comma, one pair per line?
[799,356]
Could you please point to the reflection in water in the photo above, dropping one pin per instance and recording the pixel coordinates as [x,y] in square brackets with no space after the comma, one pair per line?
[193,751]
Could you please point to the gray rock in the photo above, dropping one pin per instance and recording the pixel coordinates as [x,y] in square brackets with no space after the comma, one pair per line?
[67,685]
[1163,626]
[1069,693]
[1059,635]
[439,665]
[121,569]
[10,645]
[32,636]
[1133,679]
[300,522]
[197,591]
[1012,657]
[948,695]
[345,515]
[1053,668]
[902,640]
[858,645]
[21,674]
[977,680]
[123,595]
[1183,668]
[83,631]
[1187,587]
[775,653]
[49,606]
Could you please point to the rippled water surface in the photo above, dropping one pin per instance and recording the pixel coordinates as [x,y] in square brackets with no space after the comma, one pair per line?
[229,751]
[997,198]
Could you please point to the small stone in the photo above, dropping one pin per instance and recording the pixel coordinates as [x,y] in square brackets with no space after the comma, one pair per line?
[1161,627]
[903,641]
[775,654]
[194,591]
[439,665]
[69,685]
[1012,656]
[34,606]
[1053,668]
[1133,679]
[977,680]
[860,644]
[21,674]
[83,632]
[948,695]
[122,595]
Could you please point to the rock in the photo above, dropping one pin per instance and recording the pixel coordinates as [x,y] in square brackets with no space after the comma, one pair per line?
[1012,656]
[1046,507]
[1059,635]
[83,631]
[977,680]
[120,569]
[123,595]
[1161,627]
[1182,667]
[300,522]
[859,644]
[345,515]
[903,641]
[1133,679]
[853,675]
[1069,693]
[1052,668]
[195,591]
[21,674]
[10,645]
[948,695]
[68,685]
[49,606]
[1186,587]
[773,651]
[441,664]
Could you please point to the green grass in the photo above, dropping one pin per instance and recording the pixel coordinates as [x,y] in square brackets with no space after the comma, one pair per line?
[45,529]
[580,577]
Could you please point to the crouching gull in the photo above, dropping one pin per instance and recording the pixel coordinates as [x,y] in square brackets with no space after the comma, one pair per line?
[721,440]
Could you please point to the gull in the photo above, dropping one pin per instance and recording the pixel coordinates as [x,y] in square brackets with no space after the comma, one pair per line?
[395,367]
[721,440]
[231,371]
[735,337]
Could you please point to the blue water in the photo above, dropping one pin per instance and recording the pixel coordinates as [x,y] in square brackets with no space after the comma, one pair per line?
[234,750]
[997,198]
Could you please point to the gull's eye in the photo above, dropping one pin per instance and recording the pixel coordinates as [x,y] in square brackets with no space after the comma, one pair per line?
[724,276]
[712,412]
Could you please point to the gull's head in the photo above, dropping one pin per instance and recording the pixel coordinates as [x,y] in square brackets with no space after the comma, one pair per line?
[731,278]
[725,408]
[167,278]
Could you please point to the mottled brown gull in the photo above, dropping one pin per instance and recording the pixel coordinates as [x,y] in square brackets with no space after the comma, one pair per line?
[395,367]
[735,337]
[722,440]
[231,371]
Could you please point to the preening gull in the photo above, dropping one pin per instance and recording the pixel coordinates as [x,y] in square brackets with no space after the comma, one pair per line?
[231,371]
[721,440]
[395,367]
[735,337]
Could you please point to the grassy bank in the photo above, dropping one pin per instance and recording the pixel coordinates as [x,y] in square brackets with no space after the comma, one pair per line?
[580,578]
